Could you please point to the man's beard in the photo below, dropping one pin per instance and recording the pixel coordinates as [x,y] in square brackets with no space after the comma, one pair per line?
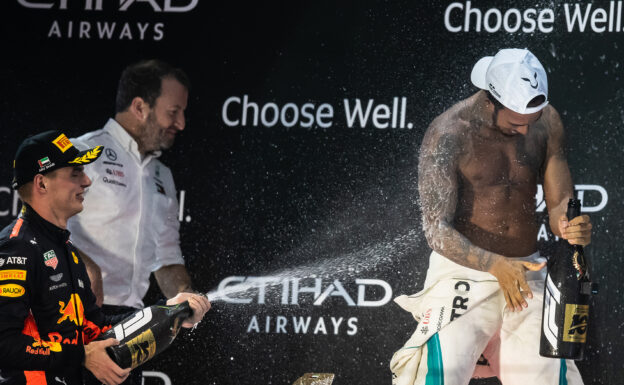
[153,135]
[495,118]
[495,123]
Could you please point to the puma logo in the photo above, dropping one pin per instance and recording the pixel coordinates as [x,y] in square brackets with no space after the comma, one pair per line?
[530,82]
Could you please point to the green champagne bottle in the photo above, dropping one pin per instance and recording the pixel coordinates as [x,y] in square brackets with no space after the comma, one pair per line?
[567,291]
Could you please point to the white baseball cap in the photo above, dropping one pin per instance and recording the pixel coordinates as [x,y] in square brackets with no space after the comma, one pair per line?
[514,77]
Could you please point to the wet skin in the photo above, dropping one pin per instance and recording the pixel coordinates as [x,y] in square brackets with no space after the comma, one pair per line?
[497,182]
[477,177]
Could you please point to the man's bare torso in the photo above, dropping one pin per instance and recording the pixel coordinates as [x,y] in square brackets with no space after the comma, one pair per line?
[497,178]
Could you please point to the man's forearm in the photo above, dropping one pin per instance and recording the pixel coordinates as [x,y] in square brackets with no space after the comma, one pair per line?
[173,279]
[555,213]
[450,243]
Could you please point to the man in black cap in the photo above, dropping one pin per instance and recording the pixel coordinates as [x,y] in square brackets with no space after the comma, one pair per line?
[48,315]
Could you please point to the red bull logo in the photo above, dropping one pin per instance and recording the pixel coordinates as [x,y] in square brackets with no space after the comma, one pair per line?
[73,311]
[43,347]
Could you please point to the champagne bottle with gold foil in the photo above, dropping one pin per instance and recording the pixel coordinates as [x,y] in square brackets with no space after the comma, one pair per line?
[146,333]
[567,291]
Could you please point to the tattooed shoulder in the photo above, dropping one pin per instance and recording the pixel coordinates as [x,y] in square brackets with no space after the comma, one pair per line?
[442,144]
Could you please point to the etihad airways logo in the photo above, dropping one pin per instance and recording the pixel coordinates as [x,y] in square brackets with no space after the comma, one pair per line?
[124,5]
[139,26]
[289,291]
[278,291]
[593,197]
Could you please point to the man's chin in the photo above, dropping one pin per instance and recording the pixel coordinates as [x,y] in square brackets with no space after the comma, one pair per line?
[167,144]
[78,209]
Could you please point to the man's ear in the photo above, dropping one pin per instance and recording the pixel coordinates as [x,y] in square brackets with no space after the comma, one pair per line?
[40,184]
[139,108]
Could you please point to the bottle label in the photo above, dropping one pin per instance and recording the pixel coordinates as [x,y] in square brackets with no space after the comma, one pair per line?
[579,264]
[142,347]
[575,324]
[552,300]
[133,323]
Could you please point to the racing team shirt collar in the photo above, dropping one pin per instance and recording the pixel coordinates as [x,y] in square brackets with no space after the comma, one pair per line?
[53,231]
[127,142]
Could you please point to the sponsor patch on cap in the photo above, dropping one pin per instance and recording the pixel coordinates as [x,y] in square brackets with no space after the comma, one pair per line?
[45,163]
[62,142]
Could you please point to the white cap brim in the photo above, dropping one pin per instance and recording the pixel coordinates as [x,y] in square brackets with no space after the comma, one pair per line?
[477,77]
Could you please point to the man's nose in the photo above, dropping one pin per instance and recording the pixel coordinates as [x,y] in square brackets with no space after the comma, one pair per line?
[86,181]
[180,121]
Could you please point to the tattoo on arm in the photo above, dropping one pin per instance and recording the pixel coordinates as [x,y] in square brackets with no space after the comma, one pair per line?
[438,190]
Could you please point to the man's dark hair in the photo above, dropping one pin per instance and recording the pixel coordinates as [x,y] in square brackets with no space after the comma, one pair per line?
[25,192]
[143,79]
[497,105]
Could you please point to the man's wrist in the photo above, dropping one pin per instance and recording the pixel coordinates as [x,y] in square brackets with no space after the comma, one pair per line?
[493,261]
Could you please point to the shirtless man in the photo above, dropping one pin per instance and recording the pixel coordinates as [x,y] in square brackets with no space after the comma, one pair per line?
[479,166]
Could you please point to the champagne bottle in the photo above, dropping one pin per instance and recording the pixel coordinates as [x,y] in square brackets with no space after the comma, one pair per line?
[567,289]
[146,333]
